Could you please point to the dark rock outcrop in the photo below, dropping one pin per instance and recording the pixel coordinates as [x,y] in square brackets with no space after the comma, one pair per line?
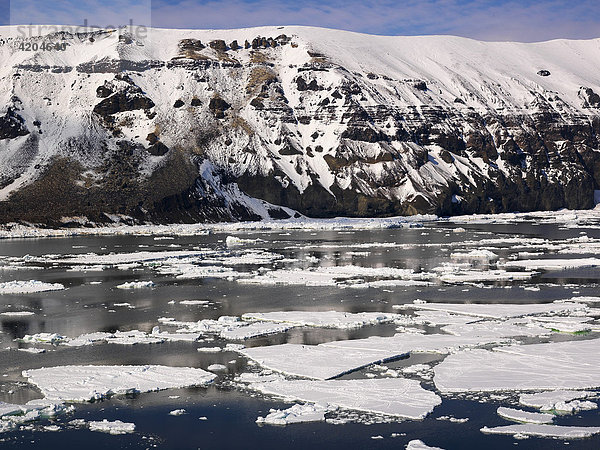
[12,125]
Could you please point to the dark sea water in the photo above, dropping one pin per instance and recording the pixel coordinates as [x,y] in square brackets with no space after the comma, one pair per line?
[87,305]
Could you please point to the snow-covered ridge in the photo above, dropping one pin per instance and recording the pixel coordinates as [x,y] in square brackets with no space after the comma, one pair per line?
[231,124]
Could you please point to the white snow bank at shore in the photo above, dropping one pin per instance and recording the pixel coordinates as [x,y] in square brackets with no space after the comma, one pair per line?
[200,229]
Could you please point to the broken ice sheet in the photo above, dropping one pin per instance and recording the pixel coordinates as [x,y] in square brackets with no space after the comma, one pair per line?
[333,359]
[389,396]
[560,401]
[550,431]
[562,365]
[87,383]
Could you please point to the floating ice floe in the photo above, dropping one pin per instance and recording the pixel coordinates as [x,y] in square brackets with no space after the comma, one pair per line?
[32,350]
[17,313]
[333,359]
[295,414]
[132,337]
[175,337]
[550,431]
[496,329]
[217,368]
[177,412]
[477,276]
[201,229]
[572,325]
[186,271]
[195,302]
[560,401]
[28,287]
[116,427]
[136,285]
[563,365]
[227,327]
[12,416]
[247,257]
[475,254]
[441,317]
[553,264]
[209,349]
[389,396]
[44,338]
[234,241]
[496,310]
[88,383]
[585,299]
[323,319]
[518,415]
[253,330]
[330,276]
[417,444]
[114,259]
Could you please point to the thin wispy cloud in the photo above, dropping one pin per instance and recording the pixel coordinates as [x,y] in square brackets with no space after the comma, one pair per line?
[527,20]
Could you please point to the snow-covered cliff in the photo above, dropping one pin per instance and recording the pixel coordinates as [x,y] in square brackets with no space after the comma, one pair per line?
[189,125]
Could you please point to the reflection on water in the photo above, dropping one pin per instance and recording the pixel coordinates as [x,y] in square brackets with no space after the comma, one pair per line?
[92,303]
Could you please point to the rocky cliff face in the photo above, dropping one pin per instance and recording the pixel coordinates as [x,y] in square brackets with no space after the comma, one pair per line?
[271,122]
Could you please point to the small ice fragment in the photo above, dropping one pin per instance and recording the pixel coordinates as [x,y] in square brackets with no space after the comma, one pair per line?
[136,285]
[17,313]
[177,412]
[116,427]
[420,445]
[217,368]
[209,349]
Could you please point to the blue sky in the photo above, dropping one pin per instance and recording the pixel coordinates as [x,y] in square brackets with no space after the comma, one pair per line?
[525,20]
